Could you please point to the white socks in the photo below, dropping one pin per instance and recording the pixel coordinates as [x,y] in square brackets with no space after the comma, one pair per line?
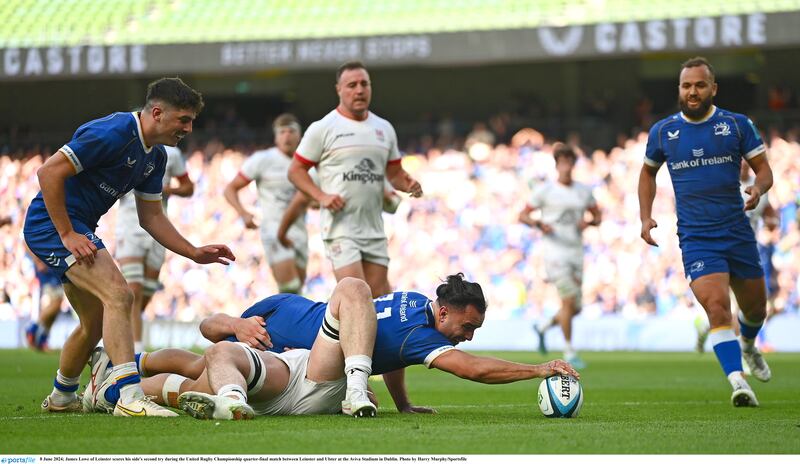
[131,392]
[357,368]
[232,390]
[737,380]
[60,397]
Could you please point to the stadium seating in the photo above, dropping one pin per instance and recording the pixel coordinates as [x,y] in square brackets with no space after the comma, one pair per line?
[29,23]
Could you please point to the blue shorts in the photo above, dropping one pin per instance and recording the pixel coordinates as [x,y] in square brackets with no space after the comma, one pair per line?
[48,277]
[44,241]
[291,320]
[734,253]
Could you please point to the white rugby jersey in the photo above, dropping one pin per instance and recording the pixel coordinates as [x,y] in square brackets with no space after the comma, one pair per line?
[351,158]
[562,207]
[127,218]
[269,168]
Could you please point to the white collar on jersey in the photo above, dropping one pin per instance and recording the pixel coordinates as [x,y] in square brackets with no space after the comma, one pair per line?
[139,130]
[429,307]
[710,115]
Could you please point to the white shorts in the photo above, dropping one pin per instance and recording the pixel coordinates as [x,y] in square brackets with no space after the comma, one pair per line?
[343,251]
[302,396]
[136,243]
[276,253]
[565,271]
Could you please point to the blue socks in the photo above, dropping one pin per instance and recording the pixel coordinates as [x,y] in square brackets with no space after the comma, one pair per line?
[727,349]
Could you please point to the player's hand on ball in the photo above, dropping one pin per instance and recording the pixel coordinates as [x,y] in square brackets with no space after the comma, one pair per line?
[648,224]
[755,196]
[559,367]
[252,331]
[213,254]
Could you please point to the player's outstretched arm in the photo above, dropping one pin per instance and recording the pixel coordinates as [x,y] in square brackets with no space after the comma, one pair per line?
[402,181]
[218,327]
[484,369]
[396,384]
[156,223]
[647,194]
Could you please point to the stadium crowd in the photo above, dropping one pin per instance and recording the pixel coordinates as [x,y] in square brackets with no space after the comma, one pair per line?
[466,221]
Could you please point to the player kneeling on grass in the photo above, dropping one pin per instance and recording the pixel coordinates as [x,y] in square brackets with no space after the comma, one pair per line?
[411,329]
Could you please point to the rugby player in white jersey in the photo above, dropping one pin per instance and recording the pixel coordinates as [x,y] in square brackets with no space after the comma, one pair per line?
[139,255]
[268,168]
[354,150]
[563,204]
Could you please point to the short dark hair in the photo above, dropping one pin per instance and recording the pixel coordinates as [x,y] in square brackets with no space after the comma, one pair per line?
[347,66]
[285,119]
[561,150]
[457,293]
[699,61]
[174,92]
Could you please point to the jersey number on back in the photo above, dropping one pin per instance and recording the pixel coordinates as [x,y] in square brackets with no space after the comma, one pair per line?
[388,311]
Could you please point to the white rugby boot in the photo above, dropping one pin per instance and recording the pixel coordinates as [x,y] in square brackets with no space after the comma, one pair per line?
[142,407]
[743,395]
[205,406]
[757,364]
[73,406]
[357,404]
[99,370]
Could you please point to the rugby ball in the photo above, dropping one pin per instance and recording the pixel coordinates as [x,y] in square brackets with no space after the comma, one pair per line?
[560,396]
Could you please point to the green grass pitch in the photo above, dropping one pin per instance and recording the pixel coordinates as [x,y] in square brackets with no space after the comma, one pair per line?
[634,403]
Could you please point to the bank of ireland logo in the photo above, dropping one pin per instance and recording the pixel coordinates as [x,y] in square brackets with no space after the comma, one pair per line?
[697,152]
[696,267]
[722,129]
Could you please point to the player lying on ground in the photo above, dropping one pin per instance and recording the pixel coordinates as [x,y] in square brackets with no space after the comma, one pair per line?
[411,329]
[295,382]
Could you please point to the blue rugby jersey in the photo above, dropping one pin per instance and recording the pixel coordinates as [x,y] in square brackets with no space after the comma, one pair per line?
[406,331]
[110,159]
[703,159]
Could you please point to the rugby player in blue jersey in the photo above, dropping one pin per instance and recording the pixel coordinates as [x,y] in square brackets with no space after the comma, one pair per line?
[411,329]
[703,147]
[105,159]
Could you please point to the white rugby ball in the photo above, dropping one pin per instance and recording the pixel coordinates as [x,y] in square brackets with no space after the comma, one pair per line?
[560,396]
